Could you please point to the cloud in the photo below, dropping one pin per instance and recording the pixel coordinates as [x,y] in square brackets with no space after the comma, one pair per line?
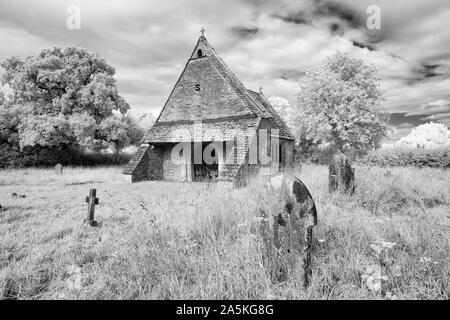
[266,43]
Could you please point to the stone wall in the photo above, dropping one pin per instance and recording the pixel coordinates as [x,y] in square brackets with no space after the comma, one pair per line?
[172,171]
[155,162]
[289,153]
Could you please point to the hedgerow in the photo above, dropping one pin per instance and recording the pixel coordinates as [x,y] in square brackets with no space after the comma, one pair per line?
[434,158]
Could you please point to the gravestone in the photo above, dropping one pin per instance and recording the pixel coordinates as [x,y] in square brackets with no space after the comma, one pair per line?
[341,175]
[288,217]
[58,169]
[91,200]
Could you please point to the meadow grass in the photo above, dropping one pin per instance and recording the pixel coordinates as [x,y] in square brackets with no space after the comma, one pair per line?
[167,240]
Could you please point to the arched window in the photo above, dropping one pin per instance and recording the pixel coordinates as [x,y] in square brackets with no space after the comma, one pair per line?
[199,53]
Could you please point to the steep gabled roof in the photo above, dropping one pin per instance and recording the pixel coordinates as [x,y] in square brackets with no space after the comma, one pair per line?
[244,103]
[184,102]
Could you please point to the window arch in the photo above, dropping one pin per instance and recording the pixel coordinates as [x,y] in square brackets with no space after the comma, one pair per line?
[199,53]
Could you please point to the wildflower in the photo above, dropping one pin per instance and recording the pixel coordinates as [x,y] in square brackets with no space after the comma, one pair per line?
[243,224]
[425,260]
[397,270]
[390,296]
[74,282]
[373,278]
[381,245]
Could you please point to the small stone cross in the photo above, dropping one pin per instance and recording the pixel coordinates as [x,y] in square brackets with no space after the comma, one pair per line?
[91,200]
[260,89]
[202,31]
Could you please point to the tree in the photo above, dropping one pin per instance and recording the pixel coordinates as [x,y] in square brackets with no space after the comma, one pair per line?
[10,119]
[65,80]
[427,136]
[115,131]
[339,103]
[63,94]
[283,108]
[83,128]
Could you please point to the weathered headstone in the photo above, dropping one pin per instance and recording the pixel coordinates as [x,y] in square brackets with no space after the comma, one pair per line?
[289,215]
[341,174]
[388,174]
[58,169]
[16,195]
[91,200]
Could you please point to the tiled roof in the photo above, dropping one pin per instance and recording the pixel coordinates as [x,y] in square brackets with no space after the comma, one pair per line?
[223,129]
[137,157]
[260,107]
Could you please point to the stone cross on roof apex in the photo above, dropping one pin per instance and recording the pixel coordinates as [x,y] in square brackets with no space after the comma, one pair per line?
[202,31]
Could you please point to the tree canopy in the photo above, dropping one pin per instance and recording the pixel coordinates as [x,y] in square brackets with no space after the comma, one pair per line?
[340,103]
[63,98]
[427,136]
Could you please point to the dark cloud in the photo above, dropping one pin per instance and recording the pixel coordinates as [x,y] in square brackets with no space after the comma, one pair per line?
[429,70]
[363,45]
[294,75]
[335,27]
[295,18]
[245,32]
[335,9]
[402,120]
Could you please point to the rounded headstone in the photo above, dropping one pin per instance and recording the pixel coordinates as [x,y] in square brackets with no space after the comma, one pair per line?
[289,215]
[58,169]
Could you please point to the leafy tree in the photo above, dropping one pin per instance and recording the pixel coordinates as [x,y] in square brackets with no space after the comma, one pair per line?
[339,103]
[83,128]
[115,131]
[427,136]
[44,130]
[284,109]
[10,119]
[63,96]
[65,80]
[145,121]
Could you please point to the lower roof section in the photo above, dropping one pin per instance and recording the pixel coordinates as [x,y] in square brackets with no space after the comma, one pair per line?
[224,129]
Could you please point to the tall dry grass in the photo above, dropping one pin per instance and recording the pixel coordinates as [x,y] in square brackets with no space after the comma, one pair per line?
[194,241]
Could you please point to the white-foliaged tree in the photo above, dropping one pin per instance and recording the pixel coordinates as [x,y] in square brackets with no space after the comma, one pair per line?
[340,103]
[427,136]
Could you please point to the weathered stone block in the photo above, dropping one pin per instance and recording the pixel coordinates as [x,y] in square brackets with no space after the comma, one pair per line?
[341,175]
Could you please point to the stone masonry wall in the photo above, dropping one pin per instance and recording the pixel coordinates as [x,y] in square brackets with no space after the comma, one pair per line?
[172,171]
[289,152]
[155,163]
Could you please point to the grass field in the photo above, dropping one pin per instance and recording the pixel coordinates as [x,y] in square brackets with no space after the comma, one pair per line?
[192,241]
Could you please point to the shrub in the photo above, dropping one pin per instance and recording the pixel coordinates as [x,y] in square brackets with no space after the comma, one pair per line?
[11,157]
[436,158]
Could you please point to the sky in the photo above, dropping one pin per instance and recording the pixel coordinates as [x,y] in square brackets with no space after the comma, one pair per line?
[268,44]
